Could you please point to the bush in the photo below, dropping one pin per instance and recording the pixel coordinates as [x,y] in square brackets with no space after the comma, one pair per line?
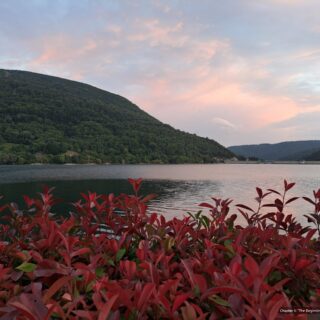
[110,259]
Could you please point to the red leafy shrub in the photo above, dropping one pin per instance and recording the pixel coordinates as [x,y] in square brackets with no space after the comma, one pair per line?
[110,259]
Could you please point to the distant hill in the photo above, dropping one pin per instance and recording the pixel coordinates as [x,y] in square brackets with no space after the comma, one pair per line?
[52,120]
[315,156]
[289,150]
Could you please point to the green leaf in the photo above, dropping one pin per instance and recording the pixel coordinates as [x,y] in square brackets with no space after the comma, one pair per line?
[191,215]
[90,286]
[169,243]
[227,244]
[120,254]
[110,261]
[27,267]
[100,272]
[216,299]
[150,229]
[274,276]
[196,291]
[205,221]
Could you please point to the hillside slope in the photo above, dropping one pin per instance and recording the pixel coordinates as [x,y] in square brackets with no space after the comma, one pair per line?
[288,150]
[52,120]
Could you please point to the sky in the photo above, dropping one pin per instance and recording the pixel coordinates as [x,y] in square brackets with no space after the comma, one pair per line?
[237,71]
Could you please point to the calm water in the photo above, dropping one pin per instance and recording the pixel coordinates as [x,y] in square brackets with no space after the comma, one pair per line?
[180,188]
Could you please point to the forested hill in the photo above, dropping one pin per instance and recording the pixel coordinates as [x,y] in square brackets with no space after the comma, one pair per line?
[45,119]
[288,150]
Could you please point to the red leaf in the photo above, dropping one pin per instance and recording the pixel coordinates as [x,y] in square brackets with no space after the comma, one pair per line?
[253,313]
[268,263]
[149,197]
[215,290]
[104,313]
[309,200]
[310,219]
[167,285]
[128,268]
[288,186]
[244,207]
[179,300]
[269,205]
[80,252]
[201,282]
[251,266]
[259,191]
[279,204]
[274,191]
[55,287]
[165,302]
[136,184]
[235,265]
[309,235]
[302,263]
[292,199]
[23,309]
[190,273]
[85,314]
[206,205]
[274,312]
[29,202]
[278,286]
[145,295]
[188,312]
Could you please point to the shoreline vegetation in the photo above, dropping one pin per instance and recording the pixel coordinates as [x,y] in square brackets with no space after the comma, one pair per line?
[110,259]
[218,162]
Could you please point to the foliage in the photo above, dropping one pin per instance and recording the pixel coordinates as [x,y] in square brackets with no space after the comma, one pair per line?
[111,259]
[45,119]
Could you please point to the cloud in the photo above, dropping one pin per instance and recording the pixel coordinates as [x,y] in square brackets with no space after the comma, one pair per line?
[289,2]
[302,120]
[223,123]
[238,78]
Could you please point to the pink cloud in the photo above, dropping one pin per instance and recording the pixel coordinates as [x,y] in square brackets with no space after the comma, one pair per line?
[288,2]
[177,71]
[62,48]
[155,33]
[209,89]
[191,84]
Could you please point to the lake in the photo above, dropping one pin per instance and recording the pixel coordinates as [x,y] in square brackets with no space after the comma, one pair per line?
[180,188]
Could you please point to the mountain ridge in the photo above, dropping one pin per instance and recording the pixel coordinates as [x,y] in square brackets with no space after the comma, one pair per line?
[286,150]
[48,119]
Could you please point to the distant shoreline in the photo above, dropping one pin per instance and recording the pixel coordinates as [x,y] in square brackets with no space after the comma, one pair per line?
[165,164]
[271,162]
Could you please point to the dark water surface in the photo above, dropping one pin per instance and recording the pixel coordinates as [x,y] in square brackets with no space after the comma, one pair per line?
[180,188]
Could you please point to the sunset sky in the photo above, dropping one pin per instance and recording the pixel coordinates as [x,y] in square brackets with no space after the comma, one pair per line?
[237,71]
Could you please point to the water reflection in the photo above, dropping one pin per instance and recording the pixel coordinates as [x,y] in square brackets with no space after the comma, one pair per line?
[174,197]
[179,197]
[180,188]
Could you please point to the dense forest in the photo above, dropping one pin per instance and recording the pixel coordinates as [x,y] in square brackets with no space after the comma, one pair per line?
[287,150]
[45,119]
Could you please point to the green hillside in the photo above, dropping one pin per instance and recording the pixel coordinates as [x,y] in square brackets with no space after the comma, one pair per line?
[52,120]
